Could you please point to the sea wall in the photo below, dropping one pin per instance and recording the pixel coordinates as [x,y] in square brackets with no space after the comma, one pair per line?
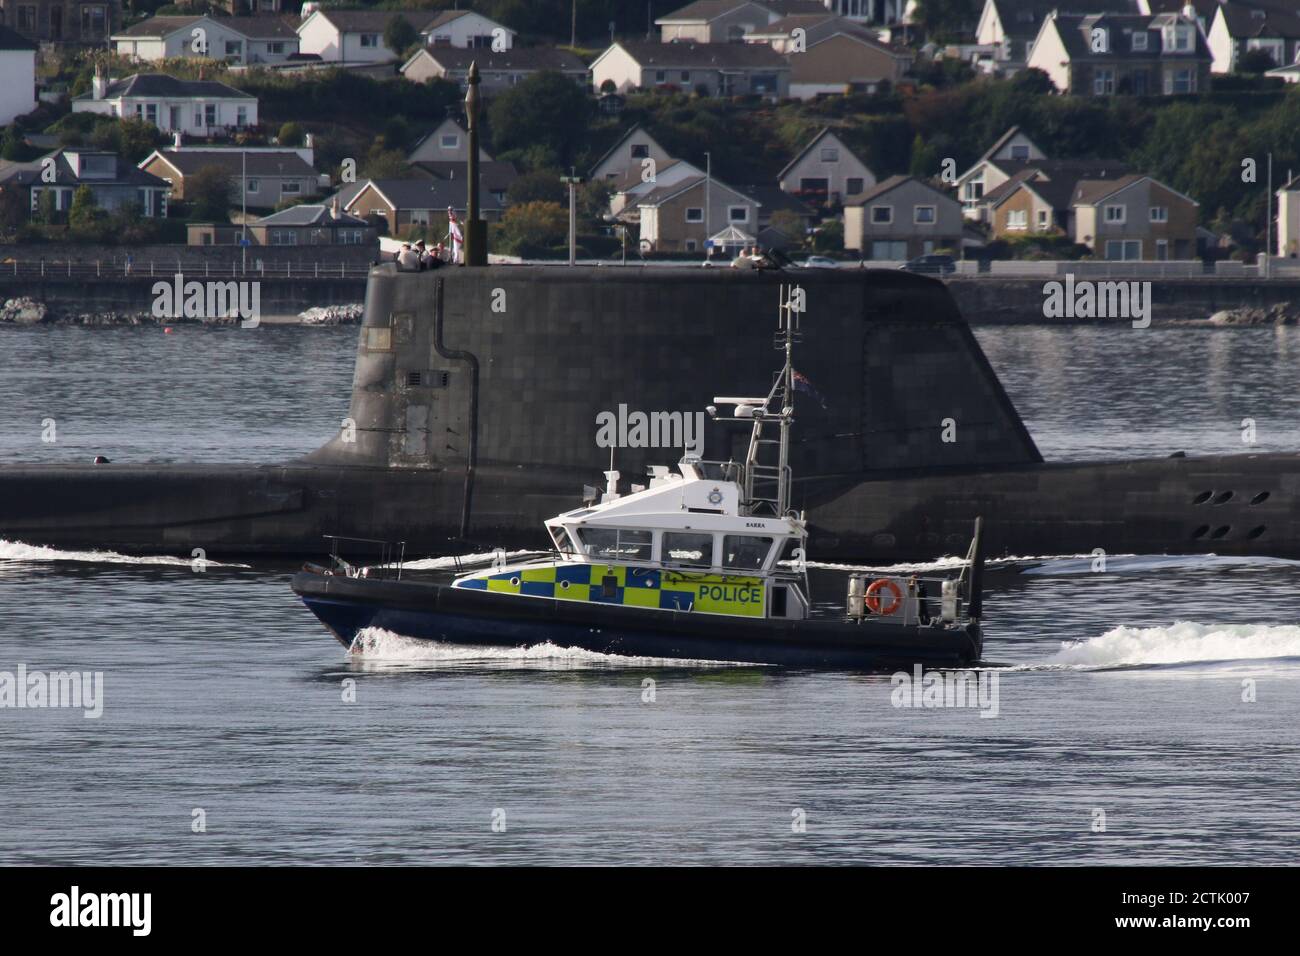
[167,258]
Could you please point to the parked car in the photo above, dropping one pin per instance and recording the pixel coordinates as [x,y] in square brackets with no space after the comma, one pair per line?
[819,262]
[933,265]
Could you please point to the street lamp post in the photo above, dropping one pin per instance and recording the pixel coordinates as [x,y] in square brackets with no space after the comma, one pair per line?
[572,180]
[708,193]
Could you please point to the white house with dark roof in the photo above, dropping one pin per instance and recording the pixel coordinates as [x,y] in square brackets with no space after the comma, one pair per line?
[268,175]
[194,107]
[1288,219]
[1009,27]
[18,67]
[825,171]
[445,143]
[411,203]
[240,40]
[357,36]
[114,182]
[1239,29]
[1010,152]
[630,152]
[497,71]
[715,69]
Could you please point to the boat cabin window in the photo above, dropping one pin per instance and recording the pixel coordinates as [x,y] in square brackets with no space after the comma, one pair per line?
[623,543]
[745,551]
[683,547]
[561,540]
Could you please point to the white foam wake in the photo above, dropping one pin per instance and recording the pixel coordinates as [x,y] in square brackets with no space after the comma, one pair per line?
[1180,643]
[375,645]
[17,551]
[459,560]
[946,563]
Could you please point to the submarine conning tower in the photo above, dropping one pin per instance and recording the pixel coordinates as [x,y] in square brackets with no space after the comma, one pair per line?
[510,366]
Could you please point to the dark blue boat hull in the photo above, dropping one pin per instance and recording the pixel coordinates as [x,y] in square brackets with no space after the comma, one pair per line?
[458,616]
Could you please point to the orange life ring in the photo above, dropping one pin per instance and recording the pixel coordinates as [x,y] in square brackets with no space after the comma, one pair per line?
[873,596]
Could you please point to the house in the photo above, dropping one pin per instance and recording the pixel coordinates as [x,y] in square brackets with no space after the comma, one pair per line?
[727,21]
[241,7]
[304,225]
[468,31]
[772,199]
[497,71]
[114,182]
[901,218]
[825,171]
[1010,153]
[86,22]
[1010,27]
[1288,219]
[446,143]
[195,107]
[846,63]
[1105,54]
[269,175]
[18,67]
[626,193]
[682,216]
[713,69]
[1240,28]
[629,154]
[494,176]
[1039,198]
[1134,217]
[357,36]
[241,40]
[404,204]
[784,36]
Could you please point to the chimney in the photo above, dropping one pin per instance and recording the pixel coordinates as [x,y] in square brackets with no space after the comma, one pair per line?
[334,208]
[99,85]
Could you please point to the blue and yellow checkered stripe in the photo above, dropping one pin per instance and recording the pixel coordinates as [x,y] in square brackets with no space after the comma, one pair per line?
[631,587]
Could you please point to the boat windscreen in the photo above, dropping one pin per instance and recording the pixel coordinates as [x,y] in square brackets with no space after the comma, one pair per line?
[625,543]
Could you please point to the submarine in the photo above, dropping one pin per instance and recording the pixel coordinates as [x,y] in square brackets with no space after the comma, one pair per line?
[479,394]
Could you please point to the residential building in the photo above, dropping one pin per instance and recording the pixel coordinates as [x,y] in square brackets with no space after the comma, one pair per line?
[784,35]
[825,172]
[729,21]
[639,182]
[682,216]
[305,225]
[771,200]
[846,63]
[714,69]
[267,176]
[901,218]
[404,204]
[445,143]
[1106,54]
[1238,29]
[18,67]
[195,107]
[236,8]
[1039,198]
[114,182]
[1134,217]
[497,71]
[629,154]
[1010,153]
[84,22]
[241,40]
[1010,27]
[1288,219]
[357,36]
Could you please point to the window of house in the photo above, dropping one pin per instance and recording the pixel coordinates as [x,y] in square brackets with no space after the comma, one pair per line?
[1017,219]
[1139,41]
[853,185]
[1178,38]
[681,547]
[737,214]
[882,215]
[686,76]
[210,114]
[234,47]
[1103,82]
[1123,250]
[290,186]
[1158,213]
[370,40]
[94,20]
[1117,214]
[640,150]
[660,76]
[284,237]
[690,245]
[923,215]
[888,250]
[1020,152]
[694,213]
[241,116]
[830,154]
[1162,250]
[1180,81]
[419,217]
[973,191]
[1042,219]
[451,141]
[276,46]
[254,185]
[27,19]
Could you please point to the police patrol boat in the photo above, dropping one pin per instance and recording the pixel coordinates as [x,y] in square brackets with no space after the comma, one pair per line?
[707,562]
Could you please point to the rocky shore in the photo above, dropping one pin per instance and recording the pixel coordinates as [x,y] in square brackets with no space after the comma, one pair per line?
[1282,313]
[24,310]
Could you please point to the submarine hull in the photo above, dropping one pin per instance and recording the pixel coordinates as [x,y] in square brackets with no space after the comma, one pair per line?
[484,399]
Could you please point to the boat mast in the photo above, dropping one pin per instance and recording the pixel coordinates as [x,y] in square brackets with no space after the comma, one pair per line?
[778,407]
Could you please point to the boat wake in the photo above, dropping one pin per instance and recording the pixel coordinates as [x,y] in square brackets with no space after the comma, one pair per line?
[17,552]
[450,562]
[1184,642]
[383,649]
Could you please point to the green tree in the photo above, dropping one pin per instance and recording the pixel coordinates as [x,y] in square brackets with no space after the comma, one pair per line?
[533,227]
[400,36]
[139,139]
[547,110]
[208,192]
[945,19]
[925,159]
[790,224]
[46,207]
[291,134]
[829,237]
[541,186]
[14,210]
[82,215]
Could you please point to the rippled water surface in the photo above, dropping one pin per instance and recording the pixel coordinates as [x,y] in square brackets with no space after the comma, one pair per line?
[1119,693]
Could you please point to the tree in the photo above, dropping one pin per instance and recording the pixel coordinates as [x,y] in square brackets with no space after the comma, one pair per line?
[81,216]
[208,192]
[291,134]
[541,186]
[547,110]
[1256,61]
[399,35]
[13,210]
[533,227]
[790,224]
[829,237]
[139,139]
[945,19]
[47,208]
